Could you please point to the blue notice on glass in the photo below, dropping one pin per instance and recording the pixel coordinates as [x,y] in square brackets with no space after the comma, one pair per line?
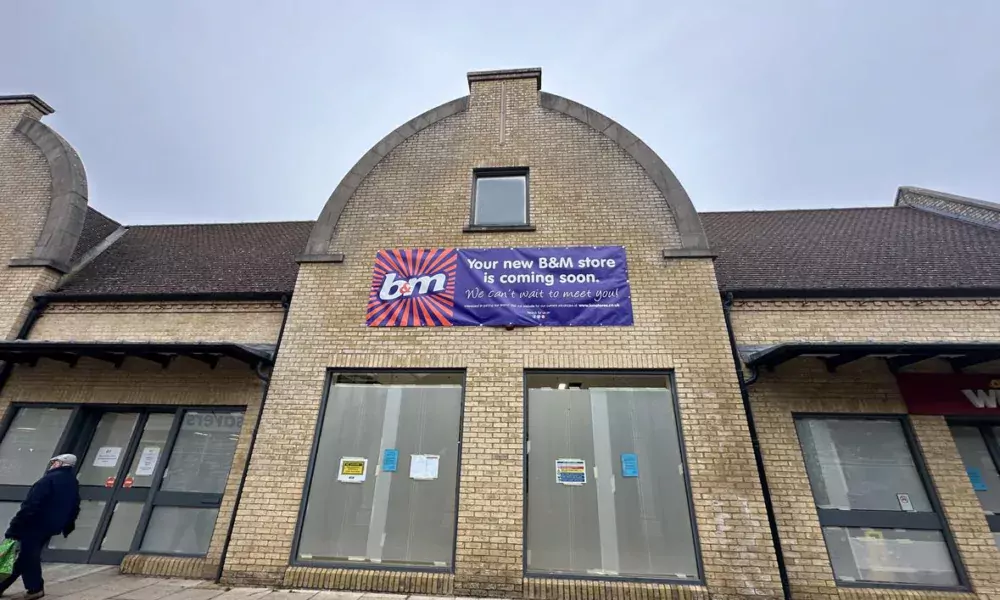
[976,477]
[630,465]
[390,458]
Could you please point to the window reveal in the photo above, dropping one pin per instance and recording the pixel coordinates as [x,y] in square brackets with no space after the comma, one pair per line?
[878,517]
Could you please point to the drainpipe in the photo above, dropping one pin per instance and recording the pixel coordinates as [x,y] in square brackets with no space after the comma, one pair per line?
[286,303]
[727,304]
[40,302]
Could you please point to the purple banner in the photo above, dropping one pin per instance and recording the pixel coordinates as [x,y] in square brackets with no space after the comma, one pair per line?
[579,286]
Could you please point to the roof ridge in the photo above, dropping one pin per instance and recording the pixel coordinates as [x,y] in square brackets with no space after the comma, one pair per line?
[152,225]
[799,210]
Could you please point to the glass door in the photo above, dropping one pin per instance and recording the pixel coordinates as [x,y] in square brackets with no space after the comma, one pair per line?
[120,451]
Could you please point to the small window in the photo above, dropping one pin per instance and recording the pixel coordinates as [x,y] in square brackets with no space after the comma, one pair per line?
[878,516]
[500,198]
[607,489]
[978,445]
[385,472]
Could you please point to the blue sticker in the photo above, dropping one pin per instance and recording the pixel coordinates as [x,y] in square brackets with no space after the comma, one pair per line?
[630,465]
[390,457]
[976,477]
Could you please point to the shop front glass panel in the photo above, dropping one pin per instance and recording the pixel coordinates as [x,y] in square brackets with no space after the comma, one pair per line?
[630,515]
[86,527]
[979,466]
[179,530]
[29,444]
[7,512]
[203,454]
[890,556]
[860,464]
[121,529]
[107,449]
[406,516]
[150,449]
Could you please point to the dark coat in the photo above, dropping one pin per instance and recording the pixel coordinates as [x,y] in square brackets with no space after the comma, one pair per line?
[51,507]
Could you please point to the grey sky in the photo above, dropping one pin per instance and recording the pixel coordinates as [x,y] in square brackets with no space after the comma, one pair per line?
[226,111]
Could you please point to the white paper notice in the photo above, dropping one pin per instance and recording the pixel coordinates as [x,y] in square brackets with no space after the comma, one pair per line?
[424,466]
[147,461]
[107,456]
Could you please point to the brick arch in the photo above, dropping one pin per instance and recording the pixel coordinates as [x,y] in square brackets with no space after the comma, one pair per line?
[68,207]
[694,242]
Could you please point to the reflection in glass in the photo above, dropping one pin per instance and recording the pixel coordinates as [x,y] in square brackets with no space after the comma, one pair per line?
[86,526]
[860,464]
[501,200]
[121,530]
[203,453]
[979,466]
[890,556]
[30,443]
[107,448]
[176,530]
[150,449]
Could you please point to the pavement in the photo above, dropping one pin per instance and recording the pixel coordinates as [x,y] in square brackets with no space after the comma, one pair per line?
[98,582]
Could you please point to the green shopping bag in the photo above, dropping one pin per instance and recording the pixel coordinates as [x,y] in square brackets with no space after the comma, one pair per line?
[9,550]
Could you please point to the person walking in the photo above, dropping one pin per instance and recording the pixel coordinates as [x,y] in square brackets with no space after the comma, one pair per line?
[52,506]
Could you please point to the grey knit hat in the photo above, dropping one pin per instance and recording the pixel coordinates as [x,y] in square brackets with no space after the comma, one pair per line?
[67,459]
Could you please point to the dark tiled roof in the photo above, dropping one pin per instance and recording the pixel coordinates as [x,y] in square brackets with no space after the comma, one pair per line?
[196,259]
[839,250]
[96,227]
[779,252]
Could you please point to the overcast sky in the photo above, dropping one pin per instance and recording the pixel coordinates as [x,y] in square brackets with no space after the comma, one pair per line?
[230,111]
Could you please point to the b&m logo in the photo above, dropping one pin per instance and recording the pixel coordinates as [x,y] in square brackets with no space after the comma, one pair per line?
[413,288]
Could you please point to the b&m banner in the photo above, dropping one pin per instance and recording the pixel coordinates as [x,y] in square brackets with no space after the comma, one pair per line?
[580,286]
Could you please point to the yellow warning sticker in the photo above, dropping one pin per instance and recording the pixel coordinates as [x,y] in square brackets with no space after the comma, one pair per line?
[352,469]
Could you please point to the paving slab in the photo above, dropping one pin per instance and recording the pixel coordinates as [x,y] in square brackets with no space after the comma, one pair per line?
[290,595]
[157,591]
[244,594]
[56,573]
[115,586]
[342,596]
[197,593]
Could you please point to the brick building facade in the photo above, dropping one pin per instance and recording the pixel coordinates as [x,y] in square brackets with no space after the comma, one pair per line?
[237,419]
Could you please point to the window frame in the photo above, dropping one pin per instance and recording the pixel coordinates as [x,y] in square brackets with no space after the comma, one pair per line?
[73,435]
[992,441]
[671,379]
[493,172]
[869,519]
[294,560]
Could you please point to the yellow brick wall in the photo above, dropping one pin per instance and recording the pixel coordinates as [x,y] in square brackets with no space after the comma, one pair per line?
[25,195]
[139,382]
[914,320]
[242,322]
[25,185]
[866,386]
[584,191]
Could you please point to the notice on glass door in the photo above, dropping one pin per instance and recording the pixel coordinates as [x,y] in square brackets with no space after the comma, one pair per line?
[353,469]
[424,466]
[147,461]
[571,471]
[107,456]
